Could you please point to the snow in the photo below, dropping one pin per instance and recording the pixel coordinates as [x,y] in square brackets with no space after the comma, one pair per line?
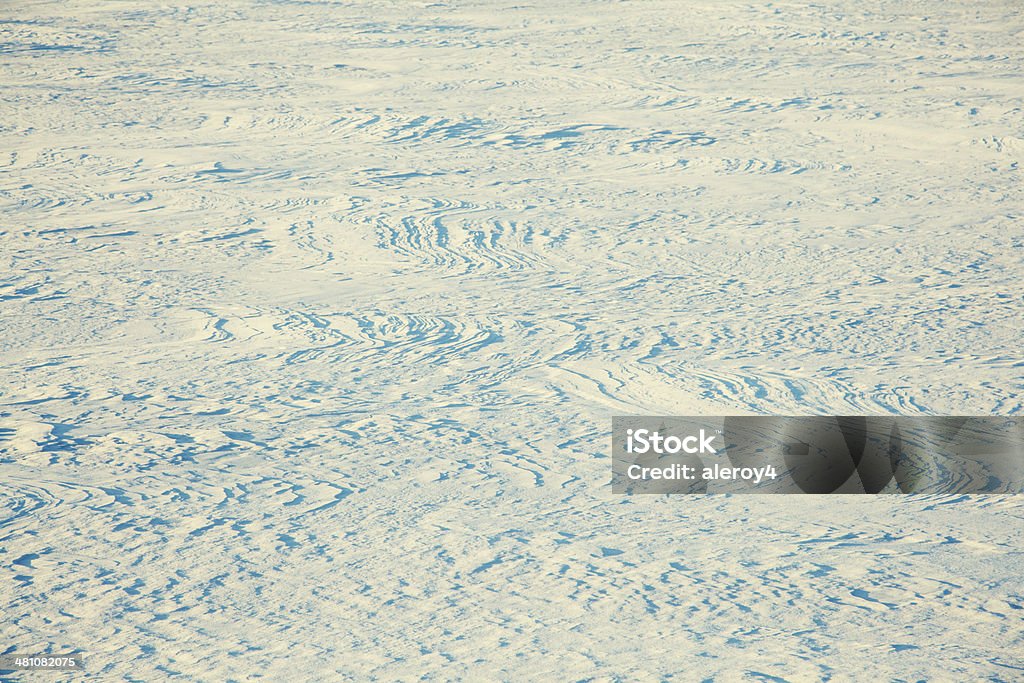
[314,316]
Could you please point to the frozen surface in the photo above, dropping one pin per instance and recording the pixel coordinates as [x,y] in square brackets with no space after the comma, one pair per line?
[313,317]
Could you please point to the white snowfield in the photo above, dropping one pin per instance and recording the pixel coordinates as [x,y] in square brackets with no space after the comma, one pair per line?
[314,316]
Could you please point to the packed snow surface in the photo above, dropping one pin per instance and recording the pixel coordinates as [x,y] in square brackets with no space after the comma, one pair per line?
[314,316]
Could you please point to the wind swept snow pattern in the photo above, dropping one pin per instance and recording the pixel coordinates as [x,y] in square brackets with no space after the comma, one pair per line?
[314,316]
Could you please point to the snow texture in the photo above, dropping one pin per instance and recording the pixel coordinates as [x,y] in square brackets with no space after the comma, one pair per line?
[314,316]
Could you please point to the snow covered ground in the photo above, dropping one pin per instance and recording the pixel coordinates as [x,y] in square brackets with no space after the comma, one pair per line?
[314,315]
